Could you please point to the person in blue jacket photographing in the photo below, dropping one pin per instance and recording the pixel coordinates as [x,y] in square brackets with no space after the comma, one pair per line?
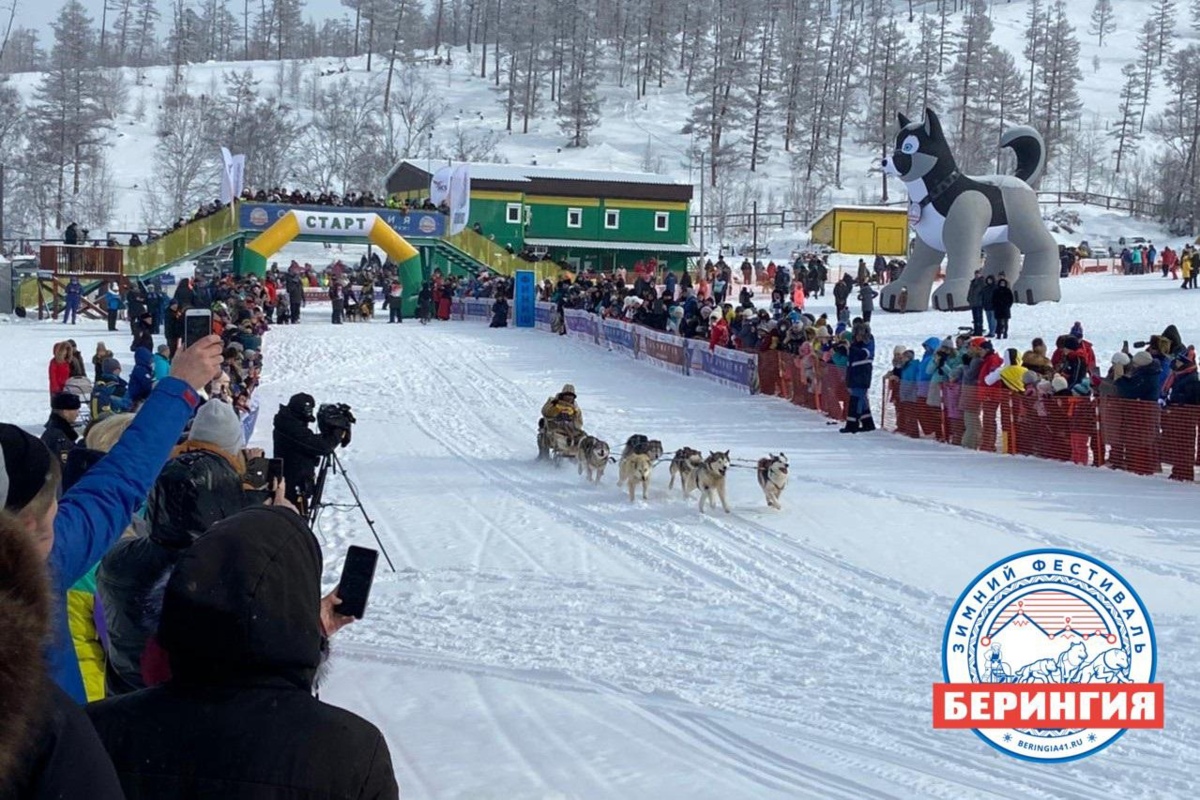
[73,532]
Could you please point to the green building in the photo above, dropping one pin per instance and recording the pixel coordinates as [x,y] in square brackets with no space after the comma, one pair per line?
[588,219]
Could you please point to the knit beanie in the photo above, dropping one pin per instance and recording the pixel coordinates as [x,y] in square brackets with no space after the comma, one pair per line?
[218,424]
[65,401]
[1120,359]
[110,366]
[1059,383]
[1077,330]
[24,467]
[1142,358]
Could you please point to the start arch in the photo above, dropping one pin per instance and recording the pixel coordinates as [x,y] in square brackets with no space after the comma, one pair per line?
[326,225]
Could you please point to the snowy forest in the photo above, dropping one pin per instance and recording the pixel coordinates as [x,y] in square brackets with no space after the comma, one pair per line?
[795,90]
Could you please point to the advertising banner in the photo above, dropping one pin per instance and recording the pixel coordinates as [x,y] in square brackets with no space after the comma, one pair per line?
[477,310]
[724,366]
[457,308]
[543,315]
[580,324]
[460,198]
[524,298]
[260,216]
[619,336]
[663,350]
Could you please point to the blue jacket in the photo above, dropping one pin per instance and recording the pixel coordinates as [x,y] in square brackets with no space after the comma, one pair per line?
[1141,385]
[74,292]
[110,395]
[112,300]
[926,366]
[858,374]
[94,512]
[162,367]
[141,380]
[909,378]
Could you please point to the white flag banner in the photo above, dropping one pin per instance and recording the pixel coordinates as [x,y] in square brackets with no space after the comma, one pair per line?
[460,198]
[237,175]
[439,185]
[227,190]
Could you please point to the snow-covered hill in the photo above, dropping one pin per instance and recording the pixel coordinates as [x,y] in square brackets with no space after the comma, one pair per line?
[632,133]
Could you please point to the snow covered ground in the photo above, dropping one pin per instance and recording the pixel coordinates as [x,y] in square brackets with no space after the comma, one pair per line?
[547,639]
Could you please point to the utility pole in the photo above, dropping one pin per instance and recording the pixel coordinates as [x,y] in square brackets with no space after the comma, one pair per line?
[702,217]
[754,231]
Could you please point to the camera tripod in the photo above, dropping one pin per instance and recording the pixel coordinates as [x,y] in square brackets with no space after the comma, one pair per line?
[330,463]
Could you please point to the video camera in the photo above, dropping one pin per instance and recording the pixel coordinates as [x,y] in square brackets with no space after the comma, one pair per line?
[334,421]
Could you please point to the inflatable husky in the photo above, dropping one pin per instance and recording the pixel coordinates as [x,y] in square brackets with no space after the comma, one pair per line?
[958,216]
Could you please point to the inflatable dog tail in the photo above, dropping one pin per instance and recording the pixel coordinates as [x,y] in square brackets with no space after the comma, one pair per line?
[1031,153]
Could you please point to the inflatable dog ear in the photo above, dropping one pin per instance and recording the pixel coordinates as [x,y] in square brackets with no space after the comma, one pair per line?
[956,216]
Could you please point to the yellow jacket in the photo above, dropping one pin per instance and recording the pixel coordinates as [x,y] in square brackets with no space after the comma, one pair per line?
[556,408]
[81,608]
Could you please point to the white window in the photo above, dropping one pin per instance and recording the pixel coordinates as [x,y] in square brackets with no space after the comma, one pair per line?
[513,213]
[574,217]
[612,220]
[662,220]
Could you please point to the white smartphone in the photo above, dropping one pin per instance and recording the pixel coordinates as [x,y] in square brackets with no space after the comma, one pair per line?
[197,323]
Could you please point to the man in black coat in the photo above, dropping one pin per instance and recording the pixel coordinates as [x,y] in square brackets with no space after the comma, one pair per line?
[295,290]
[60,434]
[300,448]
[975,301]
[246,629]
[986,298]
[1002,303]
[336,298]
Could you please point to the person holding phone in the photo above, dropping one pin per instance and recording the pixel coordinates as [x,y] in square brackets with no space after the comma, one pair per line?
[246,629]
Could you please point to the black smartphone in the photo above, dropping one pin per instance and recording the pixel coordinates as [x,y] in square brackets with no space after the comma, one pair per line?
[274,471]
[358,573]
[197,323]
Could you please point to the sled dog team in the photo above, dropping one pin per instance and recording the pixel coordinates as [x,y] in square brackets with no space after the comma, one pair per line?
[693,468]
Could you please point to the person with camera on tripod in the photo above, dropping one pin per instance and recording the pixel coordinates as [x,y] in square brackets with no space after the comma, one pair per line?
[301,449]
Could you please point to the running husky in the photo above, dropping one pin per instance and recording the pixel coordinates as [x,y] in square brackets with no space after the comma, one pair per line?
[635,469]
[958,216]
[593,456]
[709,478]
[685,461]
[773,477]
[639,443]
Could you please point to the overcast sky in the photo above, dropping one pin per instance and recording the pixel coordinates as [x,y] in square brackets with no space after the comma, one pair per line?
[39,15]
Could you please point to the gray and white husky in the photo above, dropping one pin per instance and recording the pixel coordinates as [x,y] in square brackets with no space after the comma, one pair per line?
[959,216]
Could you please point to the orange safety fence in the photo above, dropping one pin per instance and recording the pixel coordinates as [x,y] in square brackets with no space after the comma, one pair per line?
[1130,435]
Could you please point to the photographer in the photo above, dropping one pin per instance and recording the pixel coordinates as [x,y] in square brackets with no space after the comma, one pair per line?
[301,449]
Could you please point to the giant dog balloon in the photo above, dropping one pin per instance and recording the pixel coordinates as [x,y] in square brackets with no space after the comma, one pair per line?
[960,216]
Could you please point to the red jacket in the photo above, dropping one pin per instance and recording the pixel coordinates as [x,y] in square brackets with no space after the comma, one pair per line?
[60,373]
[991,362]
[719,337]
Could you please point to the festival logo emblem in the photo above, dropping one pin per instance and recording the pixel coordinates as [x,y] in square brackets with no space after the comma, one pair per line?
[1049,655]
[427,224]
[259,217]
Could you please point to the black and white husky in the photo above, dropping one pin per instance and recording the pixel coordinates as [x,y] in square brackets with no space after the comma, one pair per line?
[958,216]
[773,477]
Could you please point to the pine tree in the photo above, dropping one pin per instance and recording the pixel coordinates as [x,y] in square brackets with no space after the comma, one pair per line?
[147,23]
[1163,14]
[1057,95]
[1127,128]
[1148,61]
[1103,20]
[1179,128]
[579,107]
[69,124]
[1196,15]
[967,80]
[1035,43]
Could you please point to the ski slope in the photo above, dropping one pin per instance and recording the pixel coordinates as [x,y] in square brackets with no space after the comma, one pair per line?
[543,638]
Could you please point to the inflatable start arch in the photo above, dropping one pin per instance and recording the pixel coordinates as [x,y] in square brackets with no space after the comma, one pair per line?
[326,225]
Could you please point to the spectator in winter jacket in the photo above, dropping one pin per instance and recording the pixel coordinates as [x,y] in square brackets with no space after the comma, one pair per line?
[73,300]
[866,296]
[60,434]
[858,380]
[245,627]
[193,492]
[162,362]
[1002,303]
[48,748]
[141,380]
[975,301]
[73,533]
[1182,418]
[60,368]
[142,332]
[1142,381]
[719,335]
[986,298]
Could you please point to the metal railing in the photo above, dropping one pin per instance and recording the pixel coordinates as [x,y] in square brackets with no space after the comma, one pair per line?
[496,258]
[177,245]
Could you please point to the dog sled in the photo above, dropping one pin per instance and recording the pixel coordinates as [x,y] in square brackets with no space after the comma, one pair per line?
[560,439]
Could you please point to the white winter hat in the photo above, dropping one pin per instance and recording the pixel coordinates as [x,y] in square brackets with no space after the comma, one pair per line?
[1045,387]
[218,424]
[1142,358]
[1059,383]
[1120,359]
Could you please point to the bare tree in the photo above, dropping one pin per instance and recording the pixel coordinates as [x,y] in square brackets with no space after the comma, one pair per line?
[1103,20]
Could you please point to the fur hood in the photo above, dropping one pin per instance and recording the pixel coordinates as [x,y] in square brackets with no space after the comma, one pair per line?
[24,625]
